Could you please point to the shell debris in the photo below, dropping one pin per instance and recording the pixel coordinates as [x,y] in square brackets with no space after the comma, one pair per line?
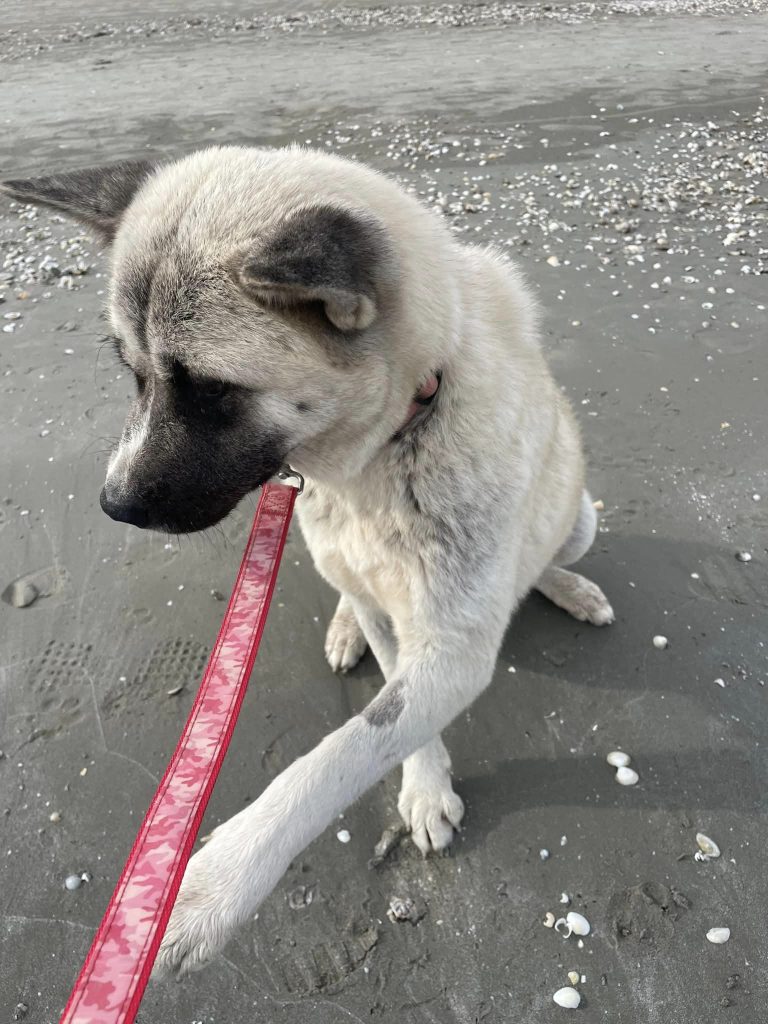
[567,997]
[708,848]
[573,977]
[618,759]
[719,935]
[660,642]
[549,920]
[627,776]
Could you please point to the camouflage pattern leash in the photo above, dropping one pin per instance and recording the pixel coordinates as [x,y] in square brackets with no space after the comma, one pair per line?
[119,962]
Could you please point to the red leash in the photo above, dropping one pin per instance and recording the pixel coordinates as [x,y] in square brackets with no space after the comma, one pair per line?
[119,962]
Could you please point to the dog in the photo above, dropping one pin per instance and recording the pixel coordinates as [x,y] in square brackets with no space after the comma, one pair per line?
[289,307]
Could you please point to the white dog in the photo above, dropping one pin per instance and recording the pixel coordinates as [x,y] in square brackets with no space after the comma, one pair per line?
[290,306]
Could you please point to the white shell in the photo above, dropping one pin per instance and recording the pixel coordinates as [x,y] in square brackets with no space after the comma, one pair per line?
[660,642]
[719,935]
[72,882]
[567,997]
[343,836]
[578,924]
[627,776]
[708,848]
[744,556]
[563,928]
[549,920]
[618,759]
[565,898]
[544,854]
[573,977]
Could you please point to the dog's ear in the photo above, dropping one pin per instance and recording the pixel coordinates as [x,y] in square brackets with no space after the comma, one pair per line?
[322,253]
[97,197]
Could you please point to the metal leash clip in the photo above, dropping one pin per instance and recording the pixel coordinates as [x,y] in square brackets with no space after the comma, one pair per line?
[287,473]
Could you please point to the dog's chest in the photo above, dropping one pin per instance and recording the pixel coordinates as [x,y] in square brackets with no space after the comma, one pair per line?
[361,554]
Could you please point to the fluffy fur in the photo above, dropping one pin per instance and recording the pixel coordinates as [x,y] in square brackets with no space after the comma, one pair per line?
[285,306]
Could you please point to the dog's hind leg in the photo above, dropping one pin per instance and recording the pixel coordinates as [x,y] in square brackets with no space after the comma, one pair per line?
[574,593]
[345,642]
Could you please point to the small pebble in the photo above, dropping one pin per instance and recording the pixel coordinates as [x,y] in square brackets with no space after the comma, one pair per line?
[21,594]
[567,997]
[627,776]
[744,556]
[544,854]
[343,836]
[72,882]
[573,977]
[719,935]
[660,642]
[55,817]
[618,759]
[553,261]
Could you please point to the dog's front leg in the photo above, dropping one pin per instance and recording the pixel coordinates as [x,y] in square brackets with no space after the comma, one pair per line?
[236,870]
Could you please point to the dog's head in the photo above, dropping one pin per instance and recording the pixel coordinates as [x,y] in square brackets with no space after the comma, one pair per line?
[254,295]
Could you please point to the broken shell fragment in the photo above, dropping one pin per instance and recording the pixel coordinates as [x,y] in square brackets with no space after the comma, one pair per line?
[618,759]
[719,935]
[660,642]
[563,928]
[573,977]
[549,920]
[578,924]
[73,882]
[627,776]
[567,997]
[708,848]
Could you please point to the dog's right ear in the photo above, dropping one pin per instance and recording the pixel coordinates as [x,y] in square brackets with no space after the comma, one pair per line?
[97,197]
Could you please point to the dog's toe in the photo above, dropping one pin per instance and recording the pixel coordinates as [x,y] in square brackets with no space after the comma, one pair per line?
[432,815]
[345,643]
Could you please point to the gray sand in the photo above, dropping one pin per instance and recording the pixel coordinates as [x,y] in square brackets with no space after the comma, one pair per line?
[620,153]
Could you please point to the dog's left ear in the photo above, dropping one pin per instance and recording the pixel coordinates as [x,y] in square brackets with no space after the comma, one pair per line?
[339,257]
[97,197]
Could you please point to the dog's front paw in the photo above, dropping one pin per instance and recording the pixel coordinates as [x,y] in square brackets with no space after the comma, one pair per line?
[432,813]
[207,911]
[345,643]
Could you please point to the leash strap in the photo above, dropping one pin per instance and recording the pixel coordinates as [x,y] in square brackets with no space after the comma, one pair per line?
[119,962]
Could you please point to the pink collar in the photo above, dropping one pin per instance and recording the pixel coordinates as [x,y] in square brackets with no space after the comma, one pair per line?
[423,397]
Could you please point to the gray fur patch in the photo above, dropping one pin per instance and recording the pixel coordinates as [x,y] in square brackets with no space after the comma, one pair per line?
[387,707]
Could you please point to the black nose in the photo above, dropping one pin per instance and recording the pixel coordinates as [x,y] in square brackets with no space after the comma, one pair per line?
[124,509]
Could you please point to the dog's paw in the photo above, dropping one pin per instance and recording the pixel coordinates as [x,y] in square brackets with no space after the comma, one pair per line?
[345,643]
[206,913]
[432,813]
[577,595]
[588,603]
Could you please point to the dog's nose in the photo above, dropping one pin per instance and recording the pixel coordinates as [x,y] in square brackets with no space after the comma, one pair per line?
[124,509]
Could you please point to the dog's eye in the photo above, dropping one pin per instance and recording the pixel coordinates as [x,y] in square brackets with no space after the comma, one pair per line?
[213,389]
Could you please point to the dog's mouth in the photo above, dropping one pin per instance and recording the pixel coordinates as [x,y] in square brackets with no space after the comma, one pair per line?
[189,511]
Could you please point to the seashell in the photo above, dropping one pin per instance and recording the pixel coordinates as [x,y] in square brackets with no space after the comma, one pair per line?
[578,924]
[744,556]
[573,977]
[343,835]
[708,848]
[660,642]
[549,920]
[627,776]
[544,854]
[719,935]
[565,898]
[618,759]
[567,997]
[72,882]
[563,928]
